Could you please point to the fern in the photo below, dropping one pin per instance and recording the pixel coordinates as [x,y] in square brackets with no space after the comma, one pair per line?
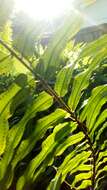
[76,127]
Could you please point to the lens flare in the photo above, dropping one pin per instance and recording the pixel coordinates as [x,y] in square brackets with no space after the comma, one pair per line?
[44,9]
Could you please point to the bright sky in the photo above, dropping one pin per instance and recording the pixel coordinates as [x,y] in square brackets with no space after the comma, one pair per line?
[44,9]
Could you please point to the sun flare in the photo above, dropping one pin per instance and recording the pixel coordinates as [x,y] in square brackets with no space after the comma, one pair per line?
[44,9]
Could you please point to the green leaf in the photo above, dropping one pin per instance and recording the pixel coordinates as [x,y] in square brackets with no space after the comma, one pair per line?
[21,97]
[99,133]
[55,183]
[69,141]
[19,68]
[50,148]
[51,57]
[60,146]
[41,103]
[101,155]
[47,154]
[6,63]
[94,47]
[101,166]
[81,176]
[40,129]
[81,81]
[6,99]
[92,109]
[3,134]
[84,184]
[63,80]
[102,170]
[73,161]
[102,117]
[6,36]
[101,162]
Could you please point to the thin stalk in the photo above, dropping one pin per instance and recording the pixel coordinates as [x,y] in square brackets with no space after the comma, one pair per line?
[83,127]
[60,101]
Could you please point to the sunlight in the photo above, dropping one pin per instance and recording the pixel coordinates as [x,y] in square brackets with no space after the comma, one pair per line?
[44,9]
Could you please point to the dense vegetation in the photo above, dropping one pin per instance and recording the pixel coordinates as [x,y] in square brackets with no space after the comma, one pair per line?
[53,111]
